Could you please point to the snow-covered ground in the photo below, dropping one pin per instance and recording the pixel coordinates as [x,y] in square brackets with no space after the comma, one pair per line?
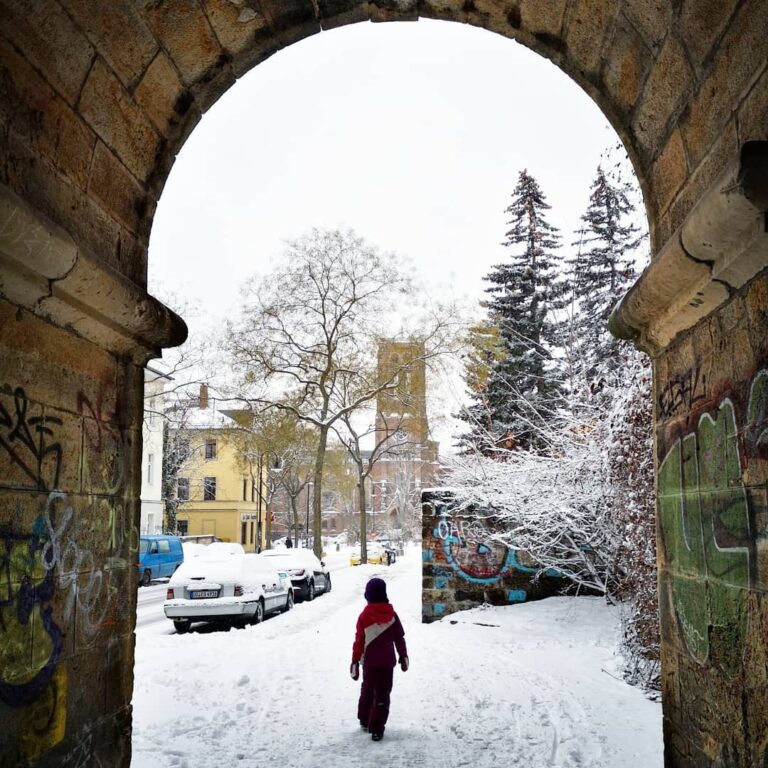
[529,685]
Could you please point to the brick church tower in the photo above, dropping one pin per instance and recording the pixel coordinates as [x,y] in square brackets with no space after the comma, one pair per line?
[401,411]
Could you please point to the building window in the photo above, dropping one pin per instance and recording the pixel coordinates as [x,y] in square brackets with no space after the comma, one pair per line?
[183,527]
[251,531]
[253,491]
[243,529]
[151,468]
[182,488]
[245,489]
[333,524]
[209,489]
[325,525]
[210,449]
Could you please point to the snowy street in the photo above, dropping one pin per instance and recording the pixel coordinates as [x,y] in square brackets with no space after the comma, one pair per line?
[528,685]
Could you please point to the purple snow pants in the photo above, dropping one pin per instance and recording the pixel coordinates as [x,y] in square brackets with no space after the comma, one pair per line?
[373,707]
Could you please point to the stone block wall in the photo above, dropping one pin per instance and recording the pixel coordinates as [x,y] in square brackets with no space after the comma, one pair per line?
[463,566]
[711,391]
[96,100]
[68,544]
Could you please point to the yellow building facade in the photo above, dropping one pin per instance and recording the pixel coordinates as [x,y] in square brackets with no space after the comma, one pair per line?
[220,485]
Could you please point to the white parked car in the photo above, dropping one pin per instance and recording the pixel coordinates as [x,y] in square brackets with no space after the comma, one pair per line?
[308,574]
[231,588]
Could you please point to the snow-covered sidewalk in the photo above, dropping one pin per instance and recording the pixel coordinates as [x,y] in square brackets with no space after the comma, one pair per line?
[514,686]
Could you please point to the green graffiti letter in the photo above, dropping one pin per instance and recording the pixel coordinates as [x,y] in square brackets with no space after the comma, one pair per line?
[680,519]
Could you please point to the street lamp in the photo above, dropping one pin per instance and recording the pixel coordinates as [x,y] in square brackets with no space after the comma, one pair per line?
[258,523]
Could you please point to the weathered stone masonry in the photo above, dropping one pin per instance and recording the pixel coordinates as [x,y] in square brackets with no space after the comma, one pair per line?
[97,97]
[711,412]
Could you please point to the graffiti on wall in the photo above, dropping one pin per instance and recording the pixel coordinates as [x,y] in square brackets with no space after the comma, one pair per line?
[29,442]
[705,515]
[474,553]
[31,641]
[102,440]
[682,392]
[63,580]
[81,576]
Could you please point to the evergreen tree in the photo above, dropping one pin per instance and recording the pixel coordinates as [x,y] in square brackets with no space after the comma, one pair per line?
[522,388]
[602,270]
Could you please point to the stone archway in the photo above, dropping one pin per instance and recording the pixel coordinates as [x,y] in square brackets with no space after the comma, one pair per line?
[96,99]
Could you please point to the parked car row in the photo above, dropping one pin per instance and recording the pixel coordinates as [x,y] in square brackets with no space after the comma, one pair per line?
[226,585]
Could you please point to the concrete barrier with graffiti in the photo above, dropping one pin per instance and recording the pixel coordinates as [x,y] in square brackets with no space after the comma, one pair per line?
[467,564]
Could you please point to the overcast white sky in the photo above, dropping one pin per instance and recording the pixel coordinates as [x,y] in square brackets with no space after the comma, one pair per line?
[411,134]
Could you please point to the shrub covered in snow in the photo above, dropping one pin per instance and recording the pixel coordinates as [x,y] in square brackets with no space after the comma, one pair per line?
[585,507]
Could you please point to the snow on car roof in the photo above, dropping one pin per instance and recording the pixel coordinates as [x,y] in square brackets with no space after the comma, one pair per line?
[221,549]
[291,554]
[228,566]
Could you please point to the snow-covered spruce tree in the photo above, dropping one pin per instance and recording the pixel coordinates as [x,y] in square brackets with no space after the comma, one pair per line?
[602,269]
[524,292]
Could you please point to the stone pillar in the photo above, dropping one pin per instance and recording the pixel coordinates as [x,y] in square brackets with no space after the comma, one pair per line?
[73,340]
[701,311]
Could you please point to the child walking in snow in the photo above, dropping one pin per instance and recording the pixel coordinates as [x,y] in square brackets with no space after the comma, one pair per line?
[378,633]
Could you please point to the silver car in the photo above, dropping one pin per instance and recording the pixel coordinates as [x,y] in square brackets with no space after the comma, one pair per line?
[236,589]
[309,575]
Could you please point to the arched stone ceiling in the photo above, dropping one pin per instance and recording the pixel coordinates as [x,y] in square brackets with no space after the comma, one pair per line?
[97,98]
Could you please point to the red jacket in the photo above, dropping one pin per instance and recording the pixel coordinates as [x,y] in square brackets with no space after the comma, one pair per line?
[378,633]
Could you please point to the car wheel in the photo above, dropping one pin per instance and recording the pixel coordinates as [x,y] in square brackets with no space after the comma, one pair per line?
[289,601]
[181,625]
[146,577]
[328,582]
[311,591]
[258,617]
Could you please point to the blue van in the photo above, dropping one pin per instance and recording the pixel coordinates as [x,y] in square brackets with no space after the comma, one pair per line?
[158,556]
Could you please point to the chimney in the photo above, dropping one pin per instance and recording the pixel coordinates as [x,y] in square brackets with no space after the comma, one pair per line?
[202,402]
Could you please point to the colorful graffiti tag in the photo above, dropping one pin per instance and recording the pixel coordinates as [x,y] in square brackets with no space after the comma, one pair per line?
[474,553]
[62,579]
[705,514]
[31,641]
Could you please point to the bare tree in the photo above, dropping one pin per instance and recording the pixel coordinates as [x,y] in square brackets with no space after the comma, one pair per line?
[405,496]
[388,443]
[308,332]
[297,475]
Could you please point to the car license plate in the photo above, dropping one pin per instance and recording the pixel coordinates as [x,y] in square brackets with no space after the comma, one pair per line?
[203,593]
